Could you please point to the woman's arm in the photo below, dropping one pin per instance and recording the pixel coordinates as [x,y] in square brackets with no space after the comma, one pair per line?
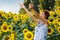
[40,17]
[35,19]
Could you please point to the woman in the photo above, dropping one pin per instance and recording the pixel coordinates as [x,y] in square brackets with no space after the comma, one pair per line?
[42,23]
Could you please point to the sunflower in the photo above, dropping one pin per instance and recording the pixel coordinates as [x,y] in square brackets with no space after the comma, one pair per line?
[7,37]
[24,21]
[50,31]
[32,24]
[32,12]
[58,12]
[13,22]
[51,13]
[4,27]
[26,15]
[51,21]
[23,17]
[58,23]
[58,29]
[55,22]
[55,16]
[28,36]
[10,28]
[20,24]
[15,17]
[25,31]
[1,20]
[3,14]
[12,36]
[9,15]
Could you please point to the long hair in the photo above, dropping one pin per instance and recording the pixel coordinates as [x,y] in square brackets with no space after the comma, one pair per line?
[46,14]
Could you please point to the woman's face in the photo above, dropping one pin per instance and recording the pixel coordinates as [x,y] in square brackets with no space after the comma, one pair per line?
[43,14]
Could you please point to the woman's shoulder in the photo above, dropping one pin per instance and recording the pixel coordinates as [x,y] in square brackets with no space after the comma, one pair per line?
[46,24]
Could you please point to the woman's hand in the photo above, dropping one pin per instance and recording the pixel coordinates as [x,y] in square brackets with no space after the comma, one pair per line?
[22,5]
[31,6]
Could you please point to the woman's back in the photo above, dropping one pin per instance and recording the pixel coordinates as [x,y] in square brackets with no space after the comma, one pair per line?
[40,31]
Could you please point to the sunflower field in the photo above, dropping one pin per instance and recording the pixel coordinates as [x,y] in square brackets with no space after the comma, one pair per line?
[20,26]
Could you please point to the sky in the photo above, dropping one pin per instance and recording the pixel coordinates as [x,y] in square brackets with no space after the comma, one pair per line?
[10,5]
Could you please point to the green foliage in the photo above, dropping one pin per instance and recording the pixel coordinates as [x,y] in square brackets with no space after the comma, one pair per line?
[22,10]
[48,4]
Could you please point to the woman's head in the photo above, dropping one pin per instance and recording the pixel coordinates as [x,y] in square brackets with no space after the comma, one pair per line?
[45,14]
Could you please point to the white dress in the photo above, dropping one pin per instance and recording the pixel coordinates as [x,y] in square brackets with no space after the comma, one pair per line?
[40,31]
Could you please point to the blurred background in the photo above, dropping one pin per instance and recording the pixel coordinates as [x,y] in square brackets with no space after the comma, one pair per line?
[10,5]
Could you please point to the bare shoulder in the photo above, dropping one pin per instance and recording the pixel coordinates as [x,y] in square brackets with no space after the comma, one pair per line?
[47,23]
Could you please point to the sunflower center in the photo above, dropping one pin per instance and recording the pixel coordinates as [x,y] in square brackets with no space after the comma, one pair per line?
[8,15]
[4,12]
[59,29]
[13,28]
[51,20]
[22,16]
[4,27]
[13,21]
[58,20]
[59,8]
[49,30]
[6,38]
[56,23]
[25,31]
[0,14]
[29,35]
[15,17]
[54,15]
[9,27]
[0,20]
